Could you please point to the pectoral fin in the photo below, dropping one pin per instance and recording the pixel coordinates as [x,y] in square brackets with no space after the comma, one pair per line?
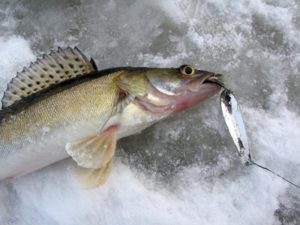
[90,178]
[94,155]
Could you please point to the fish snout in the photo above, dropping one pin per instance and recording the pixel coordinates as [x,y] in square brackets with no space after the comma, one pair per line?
[215,78]
[205,78]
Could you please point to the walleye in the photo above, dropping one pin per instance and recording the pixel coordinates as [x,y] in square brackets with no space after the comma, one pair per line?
[62,106]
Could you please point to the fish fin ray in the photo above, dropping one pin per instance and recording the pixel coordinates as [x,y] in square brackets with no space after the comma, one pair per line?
[91,178]
[49,70]
[94,152]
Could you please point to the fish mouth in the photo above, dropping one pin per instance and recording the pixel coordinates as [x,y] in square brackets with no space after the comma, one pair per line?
[215,78]
[205,79]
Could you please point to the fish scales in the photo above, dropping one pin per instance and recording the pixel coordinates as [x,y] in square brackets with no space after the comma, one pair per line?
[63,106]
[81,106]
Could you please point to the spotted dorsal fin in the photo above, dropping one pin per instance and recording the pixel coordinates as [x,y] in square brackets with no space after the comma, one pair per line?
[51,69]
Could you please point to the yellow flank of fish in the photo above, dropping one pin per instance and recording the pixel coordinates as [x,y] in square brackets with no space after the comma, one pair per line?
[62,106]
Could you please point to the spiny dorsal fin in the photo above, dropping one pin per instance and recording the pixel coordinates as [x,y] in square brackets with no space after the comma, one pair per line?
[53,68]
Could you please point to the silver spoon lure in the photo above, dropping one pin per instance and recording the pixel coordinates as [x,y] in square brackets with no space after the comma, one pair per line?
[235,124]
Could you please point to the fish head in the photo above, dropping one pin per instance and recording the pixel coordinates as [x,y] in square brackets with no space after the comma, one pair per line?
[170,90]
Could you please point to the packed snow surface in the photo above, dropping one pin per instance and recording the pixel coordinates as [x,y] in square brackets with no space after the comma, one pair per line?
[185,169]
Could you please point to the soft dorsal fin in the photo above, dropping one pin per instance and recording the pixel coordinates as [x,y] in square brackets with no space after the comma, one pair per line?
[51,69]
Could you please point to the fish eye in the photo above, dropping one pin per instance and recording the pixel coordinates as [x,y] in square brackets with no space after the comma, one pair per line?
[187,70]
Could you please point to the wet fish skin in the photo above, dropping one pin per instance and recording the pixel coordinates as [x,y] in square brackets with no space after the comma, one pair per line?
[235,124]
[82,117]
[34,136]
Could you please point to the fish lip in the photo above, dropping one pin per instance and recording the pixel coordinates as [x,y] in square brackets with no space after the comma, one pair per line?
[213,78]
[216,78]
[204,77]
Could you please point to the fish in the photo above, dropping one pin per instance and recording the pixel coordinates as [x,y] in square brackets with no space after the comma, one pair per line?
[62,106]
[235,124]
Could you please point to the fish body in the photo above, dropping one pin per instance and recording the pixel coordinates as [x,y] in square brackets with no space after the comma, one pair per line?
[63,106]
[235,124]
[35,136]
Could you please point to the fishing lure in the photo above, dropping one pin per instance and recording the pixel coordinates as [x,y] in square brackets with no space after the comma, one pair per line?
[235,124]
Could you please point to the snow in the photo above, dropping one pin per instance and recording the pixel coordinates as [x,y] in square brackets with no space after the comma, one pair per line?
[185,169]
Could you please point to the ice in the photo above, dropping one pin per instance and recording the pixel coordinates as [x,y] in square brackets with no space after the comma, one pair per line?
[15,54]
[185,169]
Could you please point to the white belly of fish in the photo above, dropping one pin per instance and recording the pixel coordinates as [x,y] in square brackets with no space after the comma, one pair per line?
[33,151]
[133,120]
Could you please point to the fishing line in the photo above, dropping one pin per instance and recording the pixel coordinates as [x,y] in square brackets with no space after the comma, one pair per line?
[251,162]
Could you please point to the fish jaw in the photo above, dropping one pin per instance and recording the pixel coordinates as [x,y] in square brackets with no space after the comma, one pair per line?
[195,93]
[205,91]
